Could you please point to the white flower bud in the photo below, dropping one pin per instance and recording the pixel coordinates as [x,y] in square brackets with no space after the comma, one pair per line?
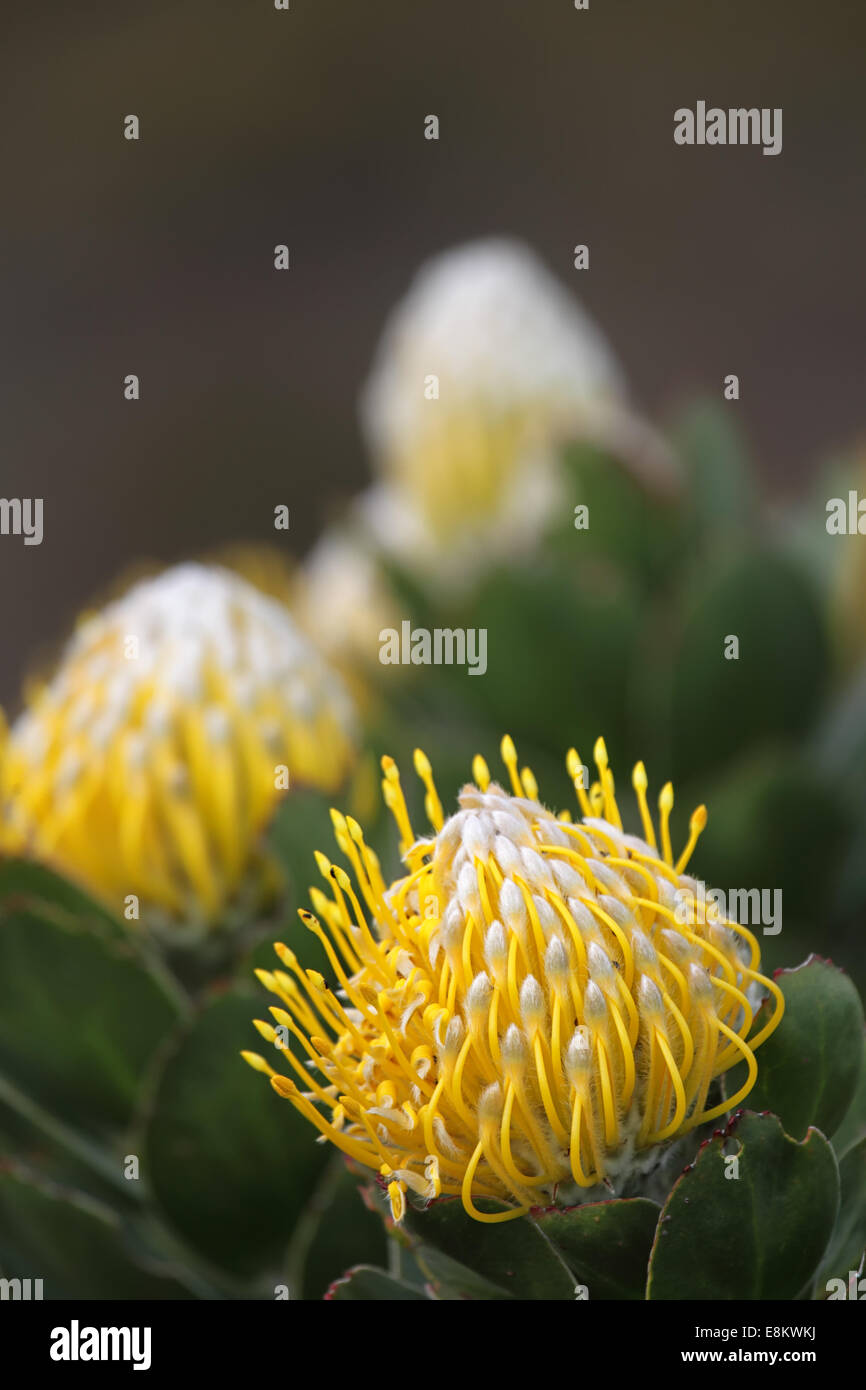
[514,1048]
[556,961]
[644,952]
[496,949]
[578,1055]
[478,998]
[649,999]
[532,1004]
[594,1003]
[512,906]
[507,855]
[467,891]
[601,967]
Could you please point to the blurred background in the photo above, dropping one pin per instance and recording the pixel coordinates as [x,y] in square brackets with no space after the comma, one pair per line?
[306,127]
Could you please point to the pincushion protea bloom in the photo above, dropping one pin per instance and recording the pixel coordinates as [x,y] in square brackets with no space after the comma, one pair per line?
[150,763]
[531,1011]
[472,471]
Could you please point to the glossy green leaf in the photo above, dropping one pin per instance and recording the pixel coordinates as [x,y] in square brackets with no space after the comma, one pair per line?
[809,1067]
[230,1162]
[514,1256]
[81,1017]
[849,1237]
[367,1285]
[605,1244]
[78,1246]
[756,1234]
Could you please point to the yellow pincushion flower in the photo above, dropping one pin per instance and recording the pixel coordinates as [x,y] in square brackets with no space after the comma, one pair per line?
[534,1005]
[485,368]
[153,759]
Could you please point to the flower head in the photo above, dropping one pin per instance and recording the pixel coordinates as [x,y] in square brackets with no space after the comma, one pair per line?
[483,369]
[527,1013]
[154,757]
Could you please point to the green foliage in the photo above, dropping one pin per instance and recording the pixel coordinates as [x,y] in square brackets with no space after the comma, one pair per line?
[24,883]
[808,1069]
[515,1257]
[340,1227]
[846,1249]
[758,1235]
[605,1244]
[365,1284]
[81,1015]
[853,1127]
[78,1246]
[104,1057]
[230,1164]
[559,645]
[722,708]
[723,501]
[772,816]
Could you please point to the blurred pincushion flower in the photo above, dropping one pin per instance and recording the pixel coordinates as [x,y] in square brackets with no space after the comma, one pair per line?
[150,763]
[473,472]
[340,598]
[531,1011]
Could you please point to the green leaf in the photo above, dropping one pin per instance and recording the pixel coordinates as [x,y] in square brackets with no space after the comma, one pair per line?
[453,1282]
[301,826]
[58,1151]
[853,1127]
[839,743]
[367,1285]
[606,1245]
[513,1256]
[231,1163]
[78,1246]
[24,882]
[721,481]
[757,1235]
[81,1017]
[757,834]
[337,1231]
[849,1237]
[630,528]
[809,1067]
[555,636]
[839,749]
[723,707]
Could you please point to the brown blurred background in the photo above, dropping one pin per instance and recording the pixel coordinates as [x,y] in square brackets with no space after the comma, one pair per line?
[306,127]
